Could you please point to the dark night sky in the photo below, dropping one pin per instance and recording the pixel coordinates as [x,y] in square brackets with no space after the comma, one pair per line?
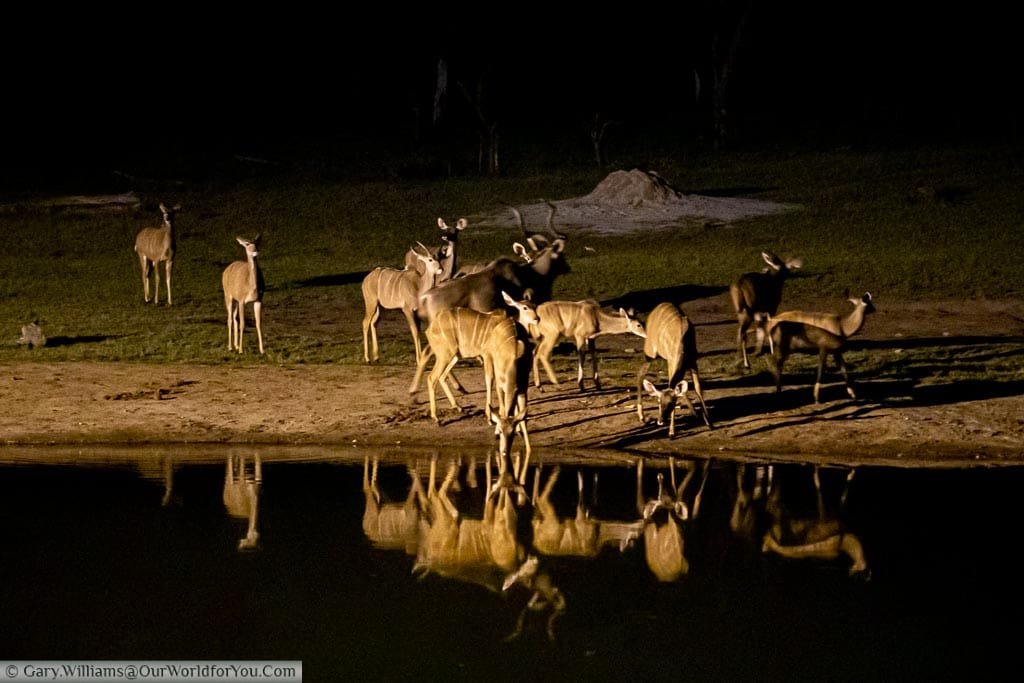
[838,68]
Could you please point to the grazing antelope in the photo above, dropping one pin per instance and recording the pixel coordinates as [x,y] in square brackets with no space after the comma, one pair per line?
[445,254]
[154,245]
[464,333]
[581,321]
[392,288]
[826,333]
[242,494]
[243,283]
[671,336]
[664,542]
[756,297]
[391,526]
[823,537]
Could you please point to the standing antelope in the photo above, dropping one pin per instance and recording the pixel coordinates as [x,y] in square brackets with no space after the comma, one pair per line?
[671,336]
[581,321]
[464,333]
[392,288]
[756,297]
[243,283]
[445,254]
[826,333]
[482,291]
[154,245]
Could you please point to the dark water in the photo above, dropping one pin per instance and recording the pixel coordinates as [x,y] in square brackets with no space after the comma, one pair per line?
[104,562]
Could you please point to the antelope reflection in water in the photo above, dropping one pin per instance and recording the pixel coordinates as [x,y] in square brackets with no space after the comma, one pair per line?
[241,495]
[664,540]
[824,537]
[579,536]
[484,551]
[392,526]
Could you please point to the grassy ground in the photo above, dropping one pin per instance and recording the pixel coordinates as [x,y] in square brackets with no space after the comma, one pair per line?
[919,224]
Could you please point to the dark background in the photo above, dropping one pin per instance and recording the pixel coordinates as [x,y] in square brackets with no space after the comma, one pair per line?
[185,94]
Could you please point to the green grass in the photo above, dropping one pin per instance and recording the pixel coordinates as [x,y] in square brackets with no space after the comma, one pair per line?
[863,226]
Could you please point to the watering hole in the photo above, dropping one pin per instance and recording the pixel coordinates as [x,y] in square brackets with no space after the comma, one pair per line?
[245,553]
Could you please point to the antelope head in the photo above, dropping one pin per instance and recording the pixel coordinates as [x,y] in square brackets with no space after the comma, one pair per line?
[666,398]
[633,324]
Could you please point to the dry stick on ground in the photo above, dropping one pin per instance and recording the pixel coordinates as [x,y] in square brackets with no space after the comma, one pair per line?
[581,321]
[154,245]
[243,283]
[826,333]
[671,336]
[756,297]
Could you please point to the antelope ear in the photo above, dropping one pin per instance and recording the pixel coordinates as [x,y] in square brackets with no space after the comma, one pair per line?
[794,264]
[770,260]
[681,388]
[519,250]
[866,298]
[256,239]
[623,313]
[441,224]
[163,209]
[508,300]
[461,224]
[495,419]
[651,389]
[241,241]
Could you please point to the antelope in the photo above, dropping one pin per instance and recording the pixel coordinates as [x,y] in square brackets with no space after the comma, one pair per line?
[154,245]
[392,288]
[582,321]
[525,254]
[391,526]
[579,536]
[671,336]
[482,291]
[243,283]
[241,496]
[470,549]
[826,333]
[445,254]
[465,333]
[756,297]
[535,242]
[823,537]
[664,542]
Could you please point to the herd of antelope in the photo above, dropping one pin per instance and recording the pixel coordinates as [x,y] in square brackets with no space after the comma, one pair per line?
[504,314]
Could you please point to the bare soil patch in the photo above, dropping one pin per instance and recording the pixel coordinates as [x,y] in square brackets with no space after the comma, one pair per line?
[900,420]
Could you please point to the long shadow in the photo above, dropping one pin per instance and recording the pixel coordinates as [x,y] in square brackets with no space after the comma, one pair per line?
[327,280]
[964,391]
[646,299]
[736,191]
[82,339]
[925,342]
[862,413]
